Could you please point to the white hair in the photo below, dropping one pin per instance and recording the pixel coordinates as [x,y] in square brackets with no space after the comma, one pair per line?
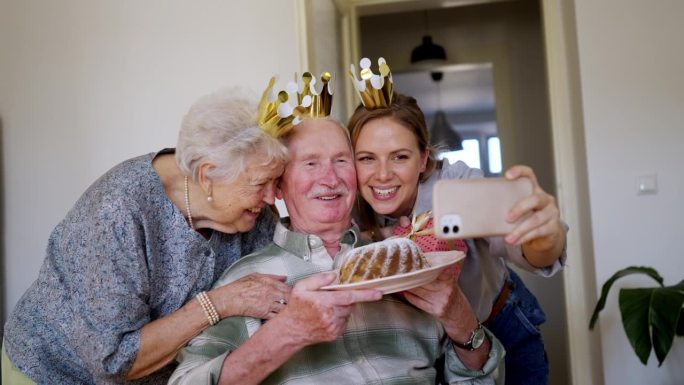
[221,128]
[286,138]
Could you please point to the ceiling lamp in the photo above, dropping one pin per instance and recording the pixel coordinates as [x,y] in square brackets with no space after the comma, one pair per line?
[442,136]
[428,51]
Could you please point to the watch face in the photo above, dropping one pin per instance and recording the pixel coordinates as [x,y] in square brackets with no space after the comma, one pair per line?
[478,337]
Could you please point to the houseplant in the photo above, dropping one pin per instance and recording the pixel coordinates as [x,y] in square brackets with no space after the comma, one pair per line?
[651,316]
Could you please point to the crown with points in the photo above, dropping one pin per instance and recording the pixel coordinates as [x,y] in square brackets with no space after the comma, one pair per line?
[376,91]
[305,97]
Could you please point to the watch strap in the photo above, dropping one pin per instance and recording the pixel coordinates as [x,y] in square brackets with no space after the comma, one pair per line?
[468,345]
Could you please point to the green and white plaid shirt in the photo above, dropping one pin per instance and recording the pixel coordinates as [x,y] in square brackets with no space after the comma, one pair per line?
[386,342]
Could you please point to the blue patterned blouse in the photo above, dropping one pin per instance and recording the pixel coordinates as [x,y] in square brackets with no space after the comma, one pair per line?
[123,256]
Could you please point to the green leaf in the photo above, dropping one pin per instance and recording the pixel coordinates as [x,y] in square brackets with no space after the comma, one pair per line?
[680,320]
[663,318]
[634,309]
[607,285]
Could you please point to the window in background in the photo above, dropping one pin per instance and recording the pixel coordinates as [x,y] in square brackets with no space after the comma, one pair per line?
[470,153]
[474,154]
[465,94]
[494,154]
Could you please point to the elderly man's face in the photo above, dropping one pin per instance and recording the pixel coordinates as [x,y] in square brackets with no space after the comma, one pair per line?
[319,182]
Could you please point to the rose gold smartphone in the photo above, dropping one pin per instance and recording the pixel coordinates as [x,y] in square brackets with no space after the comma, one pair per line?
[472,208]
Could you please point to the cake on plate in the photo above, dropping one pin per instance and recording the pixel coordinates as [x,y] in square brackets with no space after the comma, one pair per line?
[382,259]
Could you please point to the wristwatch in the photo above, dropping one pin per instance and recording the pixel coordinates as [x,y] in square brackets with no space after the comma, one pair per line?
[477,338]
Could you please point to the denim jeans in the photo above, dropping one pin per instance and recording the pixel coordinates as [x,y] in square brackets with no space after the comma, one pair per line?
[517,327]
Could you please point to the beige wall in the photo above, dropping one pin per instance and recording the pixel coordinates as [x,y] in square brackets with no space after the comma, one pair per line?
[631,61]
[85,84]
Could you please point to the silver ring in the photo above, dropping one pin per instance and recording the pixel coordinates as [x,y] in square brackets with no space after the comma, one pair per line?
[282,301]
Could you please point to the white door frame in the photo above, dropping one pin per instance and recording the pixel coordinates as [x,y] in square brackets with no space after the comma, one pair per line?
[567,130]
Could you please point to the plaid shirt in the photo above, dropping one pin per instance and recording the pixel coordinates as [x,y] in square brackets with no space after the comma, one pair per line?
[386,342]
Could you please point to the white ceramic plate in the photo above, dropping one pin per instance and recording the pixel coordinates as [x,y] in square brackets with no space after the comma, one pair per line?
[392,284]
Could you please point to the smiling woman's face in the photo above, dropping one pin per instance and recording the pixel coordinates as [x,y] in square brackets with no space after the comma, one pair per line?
[388,166]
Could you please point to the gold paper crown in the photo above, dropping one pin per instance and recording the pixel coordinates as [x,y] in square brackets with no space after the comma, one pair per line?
[302,98]
[376,91]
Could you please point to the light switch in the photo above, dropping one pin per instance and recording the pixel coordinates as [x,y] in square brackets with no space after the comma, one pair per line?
[647,184]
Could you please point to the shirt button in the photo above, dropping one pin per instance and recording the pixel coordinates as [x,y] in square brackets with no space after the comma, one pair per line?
[313,242]
[207,253]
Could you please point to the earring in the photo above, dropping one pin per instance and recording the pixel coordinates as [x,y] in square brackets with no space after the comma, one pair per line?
[210,199]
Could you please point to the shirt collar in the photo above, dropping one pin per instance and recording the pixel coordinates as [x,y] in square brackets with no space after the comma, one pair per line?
[301,244]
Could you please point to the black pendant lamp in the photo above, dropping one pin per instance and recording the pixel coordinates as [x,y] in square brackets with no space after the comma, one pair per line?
[428,51]
[442,136]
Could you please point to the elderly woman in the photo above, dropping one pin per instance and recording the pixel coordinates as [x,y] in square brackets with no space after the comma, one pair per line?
[122,287]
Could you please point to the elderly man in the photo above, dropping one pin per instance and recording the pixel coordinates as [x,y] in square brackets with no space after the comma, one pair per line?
[328,337]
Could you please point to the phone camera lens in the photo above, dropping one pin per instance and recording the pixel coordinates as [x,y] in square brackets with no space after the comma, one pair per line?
[445,229]
[455,228]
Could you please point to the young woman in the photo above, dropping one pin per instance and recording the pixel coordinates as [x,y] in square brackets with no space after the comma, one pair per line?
[396,170]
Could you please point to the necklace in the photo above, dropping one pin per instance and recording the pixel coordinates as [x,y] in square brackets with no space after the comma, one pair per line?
[187,203]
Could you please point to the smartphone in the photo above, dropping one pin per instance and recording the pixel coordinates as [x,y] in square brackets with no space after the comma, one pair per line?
[472,208]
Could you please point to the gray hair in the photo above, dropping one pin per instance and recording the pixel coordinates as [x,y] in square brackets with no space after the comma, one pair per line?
[221,128]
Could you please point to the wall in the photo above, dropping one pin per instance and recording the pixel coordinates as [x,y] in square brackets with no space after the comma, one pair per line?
[631,64]
[325,50]
[85,84]
[510,36]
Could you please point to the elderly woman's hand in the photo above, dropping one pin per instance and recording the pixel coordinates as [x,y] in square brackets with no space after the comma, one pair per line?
[256,295]
[315,315]
[541,233]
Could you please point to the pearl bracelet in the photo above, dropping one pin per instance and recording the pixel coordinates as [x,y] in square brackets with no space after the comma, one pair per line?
[208,307]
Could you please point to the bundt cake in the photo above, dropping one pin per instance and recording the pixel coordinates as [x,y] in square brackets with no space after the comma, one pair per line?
[382,259]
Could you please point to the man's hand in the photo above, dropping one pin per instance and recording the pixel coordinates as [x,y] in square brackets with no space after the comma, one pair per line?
[315,315]
[310,316]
